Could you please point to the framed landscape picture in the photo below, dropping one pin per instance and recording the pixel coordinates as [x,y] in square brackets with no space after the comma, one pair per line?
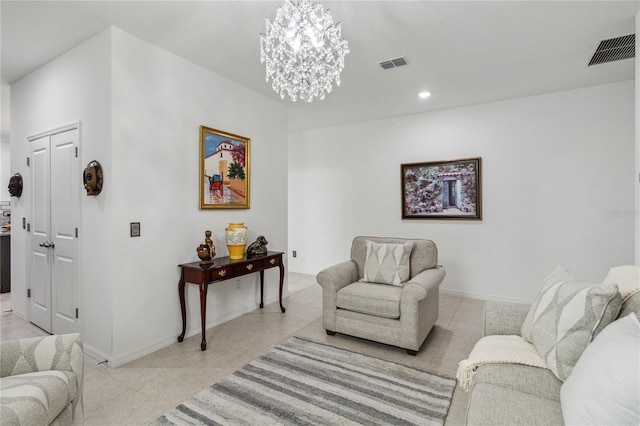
[224,170]
[442,190]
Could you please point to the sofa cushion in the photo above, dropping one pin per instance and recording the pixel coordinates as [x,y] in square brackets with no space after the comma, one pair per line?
[611,362]
[387,263]
[368,298]
[491,404]
[36,398]
[566,315]
[536,381]
[627,277]
[503,318]
[630,305]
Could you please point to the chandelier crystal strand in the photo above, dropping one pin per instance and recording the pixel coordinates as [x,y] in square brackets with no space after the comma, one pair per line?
[303,51]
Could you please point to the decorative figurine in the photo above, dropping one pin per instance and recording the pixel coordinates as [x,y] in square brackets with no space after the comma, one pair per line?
[258,247]
[206,251]
[15,185]
[204,254]
[209,242]
[92,178]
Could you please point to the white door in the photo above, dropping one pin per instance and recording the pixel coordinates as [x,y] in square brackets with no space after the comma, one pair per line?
[54,280]
[40,271]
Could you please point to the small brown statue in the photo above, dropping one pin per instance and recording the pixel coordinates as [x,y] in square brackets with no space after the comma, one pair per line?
[209,242]
[258,247]
[206,251]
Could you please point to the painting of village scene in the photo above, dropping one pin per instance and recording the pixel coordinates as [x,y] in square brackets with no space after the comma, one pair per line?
[442,190]
[224,170]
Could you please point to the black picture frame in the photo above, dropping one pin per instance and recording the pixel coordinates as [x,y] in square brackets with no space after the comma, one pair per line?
[449,189]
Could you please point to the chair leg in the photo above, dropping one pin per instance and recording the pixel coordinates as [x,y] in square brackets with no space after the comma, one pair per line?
[330,333]
[412,352]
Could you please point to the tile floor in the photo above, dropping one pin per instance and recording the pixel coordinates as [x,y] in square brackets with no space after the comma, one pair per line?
[142,390]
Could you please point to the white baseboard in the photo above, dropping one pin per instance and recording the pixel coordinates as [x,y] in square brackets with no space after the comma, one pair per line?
[482,296]
[95,354]
[114,362]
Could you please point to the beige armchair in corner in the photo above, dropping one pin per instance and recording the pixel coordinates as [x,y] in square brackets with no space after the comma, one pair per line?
[399,315]
[41,381]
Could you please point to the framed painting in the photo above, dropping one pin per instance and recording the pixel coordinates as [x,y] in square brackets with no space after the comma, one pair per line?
[442,190]
[224,170]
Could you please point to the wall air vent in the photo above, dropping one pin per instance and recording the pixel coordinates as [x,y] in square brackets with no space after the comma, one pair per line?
[615,49]
[393,63]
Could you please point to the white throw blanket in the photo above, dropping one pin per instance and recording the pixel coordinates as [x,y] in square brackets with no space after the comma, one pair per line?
[500,349]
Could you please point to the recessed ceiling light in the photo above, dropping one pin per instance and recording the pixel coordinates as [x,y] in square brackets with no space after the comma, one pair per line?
[424,95]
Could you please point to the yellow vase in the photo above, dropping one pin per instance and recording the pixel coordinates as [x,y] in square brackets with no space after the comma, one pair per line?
[236,239]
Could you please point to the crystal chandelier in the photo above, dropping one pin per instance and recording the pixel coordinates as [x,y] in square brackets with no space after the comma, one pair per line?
[303,50]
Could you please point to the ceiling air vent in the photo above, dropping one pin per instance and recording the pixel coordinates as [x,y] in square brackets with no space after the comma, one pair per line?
[615,49]
[393,63]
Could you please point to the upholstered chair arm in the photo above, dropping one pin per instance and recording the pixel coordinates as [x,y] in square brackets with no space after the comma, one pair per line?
[337,276]
[504,318]
[333,279]
[419,286]
[419,307]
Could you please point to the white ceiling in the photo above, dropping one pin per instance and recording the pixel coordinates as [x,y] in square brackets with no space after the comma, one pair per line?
[463,52]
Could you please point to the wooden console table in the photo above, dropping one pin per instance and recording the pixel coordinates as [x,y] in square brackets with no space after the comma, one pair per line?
[222,269]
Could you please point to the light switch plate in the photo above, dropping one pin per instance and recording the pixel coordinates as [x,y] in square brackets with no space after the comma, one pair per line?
[134,229]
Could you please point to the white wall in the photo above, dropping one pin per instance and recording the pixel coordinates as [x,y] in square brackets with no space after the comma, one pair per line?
[76,86]
[557,181]
[637,175]
[5,141]
[141,108]
[159,103]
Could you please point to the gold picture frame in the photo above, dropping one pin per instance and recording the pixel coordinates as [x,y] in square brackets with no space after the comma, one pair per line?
[225,170]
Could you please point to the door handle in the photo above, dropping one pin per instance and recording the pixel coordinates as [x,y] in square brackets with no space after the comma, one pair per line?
[47,244]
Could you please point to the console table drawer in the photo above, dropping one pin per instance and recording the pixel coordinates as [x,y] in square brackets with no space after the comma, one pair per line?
[274,261]
[256,265]
[247,268]
[221,273]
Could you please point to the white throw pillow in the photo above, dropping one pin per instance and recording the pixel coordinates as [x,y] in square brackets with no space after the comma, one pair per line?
[627,277]
[387,263]
[566,315]
[604,386]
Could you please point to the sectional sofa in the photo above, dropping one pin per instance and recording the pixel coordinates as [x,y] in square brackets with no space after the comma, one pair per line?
[601,387]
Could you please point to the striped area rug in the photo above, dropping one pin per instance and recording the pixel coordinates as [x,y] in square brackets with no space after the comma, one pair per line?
[301,382]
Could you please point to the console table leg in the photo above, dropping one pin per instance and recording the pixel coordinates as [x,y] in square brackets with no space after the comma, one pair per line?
[261,289]
[281,284]
[183,309]
[203,313]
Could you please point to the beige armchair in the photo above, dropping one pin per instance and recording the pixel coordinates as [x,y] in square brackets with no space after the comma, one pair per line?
[395,314]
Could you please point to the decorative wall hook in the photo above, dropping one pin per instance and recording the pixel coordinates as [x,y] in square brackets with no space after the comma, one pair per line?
[15,185]
[92,178]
